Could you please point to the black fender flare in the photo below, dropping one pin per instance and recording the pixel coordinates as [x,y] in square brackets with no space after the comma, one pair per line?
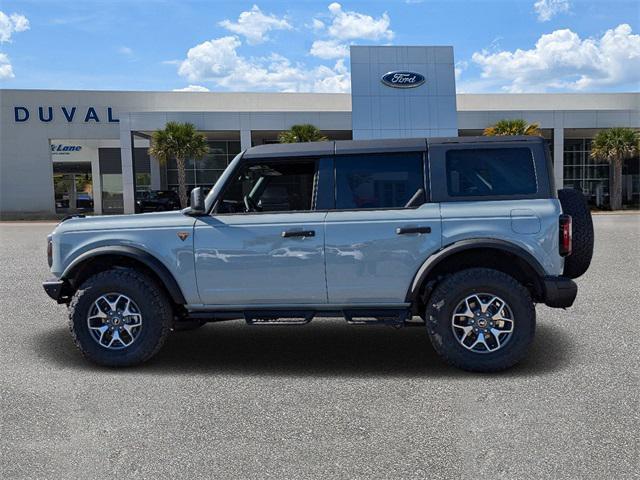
[462,245]
[143,257]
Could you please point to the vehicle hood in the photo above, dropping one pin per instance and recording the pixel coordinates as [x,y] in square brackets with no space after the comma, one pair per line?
[119,222]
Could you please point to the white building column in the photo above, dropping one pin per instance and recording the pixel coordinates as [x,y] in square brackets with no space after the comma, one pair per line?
[245,139]
[558,156]
[96,182]
[126,158]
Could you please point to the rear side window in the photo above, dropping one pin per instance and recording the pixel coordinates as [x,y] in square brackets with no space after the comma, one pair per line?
[379,181]
[490,171]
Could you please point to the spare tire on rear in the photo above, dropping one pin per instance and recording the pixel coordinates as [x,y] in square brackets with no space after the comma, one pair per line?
[575,204]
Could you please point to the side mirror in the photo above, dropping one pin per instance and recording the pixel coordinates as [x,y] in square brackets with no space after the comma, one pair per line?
[197,202]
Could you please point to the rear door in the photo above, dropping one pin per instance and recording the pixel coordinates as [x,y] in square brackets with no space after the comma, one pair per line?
[382,227]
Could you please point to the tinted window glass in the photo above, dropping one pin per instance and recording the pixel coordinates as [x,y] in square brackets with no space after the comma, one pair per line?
[271,187]
[379,181]
[490,171]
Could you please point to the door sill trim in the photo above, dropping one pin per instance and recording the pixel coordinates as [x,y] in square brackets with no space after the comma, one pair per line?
[294,306]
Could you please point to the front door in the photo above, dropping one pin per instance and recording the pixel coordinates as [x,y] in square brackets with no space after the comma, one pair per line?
[382,229]
[264,244]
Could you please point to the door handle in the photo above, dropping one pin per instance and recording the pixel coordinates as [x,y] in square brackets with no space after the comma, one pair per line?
[407,230]
[298,233]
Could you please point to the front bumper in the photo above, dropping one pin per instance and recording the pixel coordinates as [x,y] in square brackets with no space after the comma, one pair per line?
[560,292]
[57,290]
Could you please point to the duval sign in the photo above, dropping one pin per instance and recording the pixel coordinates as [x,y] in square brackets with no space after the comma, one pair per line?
[403,79]
[66,113]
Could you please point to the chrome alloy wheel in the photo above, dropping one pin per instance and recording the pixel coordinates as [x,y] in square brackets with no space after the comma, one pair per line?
[114,321]
[482,323]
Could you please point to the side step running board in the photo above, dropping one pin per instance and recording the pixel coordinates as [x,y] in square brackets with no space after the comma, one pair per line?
[278,317]
[392,317]
[395,317]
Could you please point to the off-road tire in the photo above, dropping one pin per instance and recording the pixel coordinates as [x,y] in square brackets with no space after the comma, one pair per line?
[575,204]
[155,308]
[451,291]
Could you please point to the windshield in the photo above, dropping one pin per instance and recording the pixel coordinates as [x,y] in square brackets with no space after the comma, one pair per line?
[217,188]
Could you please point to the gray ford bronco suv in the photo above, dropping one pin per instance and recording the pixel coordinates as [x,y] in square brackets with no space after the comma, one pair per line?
[462,236]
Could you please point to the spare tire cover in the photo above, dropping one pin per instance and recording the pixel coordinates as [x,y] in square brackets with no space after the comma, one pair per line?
[575,204]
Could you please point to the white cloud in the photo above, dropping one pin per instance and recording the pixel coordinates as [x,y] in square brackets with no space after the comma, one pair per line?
[210,59]
[219,62]
[547,9]
[329,49]
[460,67]
[347,25]
[561,60]
[192,88]
[10,24]
[6,70]
[254,25]
[317,25]
[125,51]
[331,80]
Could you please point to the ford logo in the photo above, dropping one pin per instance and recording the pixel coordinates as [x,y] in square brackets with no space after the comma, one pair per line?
[401,79]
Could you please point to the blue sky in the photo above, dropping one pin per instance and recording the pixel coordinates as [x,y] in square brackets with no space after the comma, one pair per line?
[500,46]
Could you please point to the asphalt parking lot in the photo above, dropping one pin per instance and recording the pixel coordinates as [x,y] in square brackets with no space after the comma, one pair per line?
[323,400]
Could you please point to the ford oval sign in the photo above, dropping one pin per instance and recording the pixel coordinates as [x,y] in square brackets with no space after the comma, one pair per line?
[401,79]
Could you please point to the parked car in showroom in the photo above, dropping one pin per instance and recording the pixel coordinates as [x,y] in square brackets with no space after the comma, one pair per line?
[157,201]
[462,236]
[84,201]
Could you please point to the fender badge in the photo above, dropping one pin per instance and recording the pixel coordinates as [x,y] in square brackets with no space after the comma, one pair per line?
[183,235]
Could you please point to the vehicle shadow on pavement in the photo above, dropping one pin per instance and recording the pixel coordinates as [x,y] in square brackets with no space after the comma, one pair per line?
[328,348]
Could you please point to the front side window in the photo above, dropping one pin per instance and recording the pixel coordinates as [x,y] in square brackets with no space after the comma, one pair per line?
[490,171]
[270,187]
[393,180]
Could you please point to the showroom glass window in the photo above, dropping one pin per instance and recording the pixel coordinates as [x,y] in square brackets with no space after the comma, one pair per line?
[591,176]
[370,181]
[490,172]
[583,173]
[142,169]
[111,180]
[206,171]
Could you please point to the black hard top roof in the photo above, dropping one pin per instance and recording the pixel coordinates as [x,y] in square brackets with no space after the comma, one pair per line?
[331,147]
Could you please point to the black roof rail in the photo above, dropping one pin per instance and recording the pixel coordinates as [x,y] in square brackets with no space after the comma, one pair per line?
[331,147]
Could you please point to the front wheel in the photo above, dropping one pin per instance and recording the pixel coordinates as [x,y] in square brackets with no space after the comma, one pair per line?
[481,320]
[119,317]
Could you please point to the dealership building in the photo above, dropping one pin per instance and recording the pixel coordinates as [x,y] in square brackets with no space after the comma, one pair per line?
[65,151]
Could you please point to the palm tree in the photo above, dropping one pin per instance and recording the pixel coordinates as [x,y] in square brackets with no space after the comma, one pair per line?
[614,146]
[301,133]
[513,127]
[180,141]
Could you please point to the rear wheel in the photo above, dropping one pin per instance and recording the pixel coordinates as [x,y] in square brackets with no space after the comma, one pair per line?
[481,320]
[119,317]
